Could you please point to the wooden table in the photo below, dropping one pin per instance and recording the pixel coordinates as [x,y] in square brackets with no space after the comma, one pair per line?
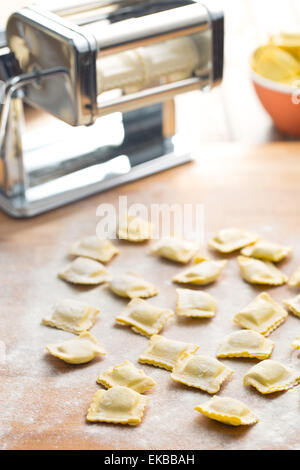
[43,401]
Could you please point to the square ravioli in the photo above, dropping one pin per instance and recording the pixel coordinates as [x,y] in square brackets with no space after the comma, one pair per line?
[176,249]
[245,343]
[94,247]
[256,271]
[271,376]
[163,352]
[84,271]
[296,342]
[267,251]
[202,273]
[130,284]
[203,372]
[228,240]
[293,305]
[72,315]
[263,315]
[134,229]
[195,304]
[84,348]
[127,375]
[294,280]
[119,405]
[227,410]
[144,318]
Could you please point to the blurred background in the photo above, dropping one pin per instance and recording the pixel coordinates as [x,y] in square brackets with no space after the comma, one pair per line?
[231,112]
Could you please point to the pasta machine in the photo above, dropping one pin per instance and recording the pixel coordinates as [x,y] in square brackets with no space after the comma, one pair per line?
[89,91]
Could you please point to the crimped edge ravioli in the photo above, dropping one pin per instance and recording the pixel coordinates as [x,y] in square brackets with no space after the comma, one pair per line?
[106,378]
[183,377]
[147,358]
[266,389]
[265,331]
[279,278]
[291,305]
[263,353]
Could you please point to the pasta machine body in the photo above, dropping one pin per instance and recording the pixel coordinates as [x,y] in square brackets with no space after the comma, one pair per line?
[89,95]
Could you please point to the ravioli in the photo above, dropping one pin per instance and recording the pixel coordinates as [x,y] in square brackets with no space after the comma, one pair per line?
[126,375]
[84,271]
[256,271]
[228,240]
[202,273]
[96,248]
[296,343]
[176,249]
[163,352]
[263,315]
[72,315]
[134,229]
[117,405]
[267,251]
[130,284]
[245,343]
[294,280]
[199,256]
[144,318]
[84,348]
[277,63]
[271,376]
[203,372]
[195,304]
[227,410]
[293,305]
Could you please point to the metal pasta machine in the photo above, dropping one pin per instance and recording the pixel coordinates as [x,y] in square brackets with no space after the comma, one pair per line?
[88,94]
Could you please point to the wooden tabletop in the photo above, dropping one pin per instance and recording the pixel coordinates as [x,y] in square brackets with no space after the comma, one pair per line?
[44,401]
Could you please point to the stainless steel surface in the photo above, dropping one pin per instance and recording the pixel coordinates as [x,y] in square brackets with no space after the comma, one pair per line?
[13,177]
[61,64]
[87,183]
[51,43]
[156,27]
[79,161]
[69,8]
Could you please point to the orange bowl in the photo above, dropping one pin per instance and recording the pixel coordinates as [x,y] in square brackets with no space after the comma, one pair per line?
[281,101]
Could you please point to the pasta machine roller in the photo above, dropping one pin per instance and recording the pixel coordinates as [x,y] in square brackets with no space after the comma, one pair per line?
[89,91]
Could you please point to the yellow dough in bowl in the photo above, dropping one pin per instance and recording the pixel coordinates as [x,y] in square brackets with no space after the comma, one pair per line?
[79,350]
[288,41]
